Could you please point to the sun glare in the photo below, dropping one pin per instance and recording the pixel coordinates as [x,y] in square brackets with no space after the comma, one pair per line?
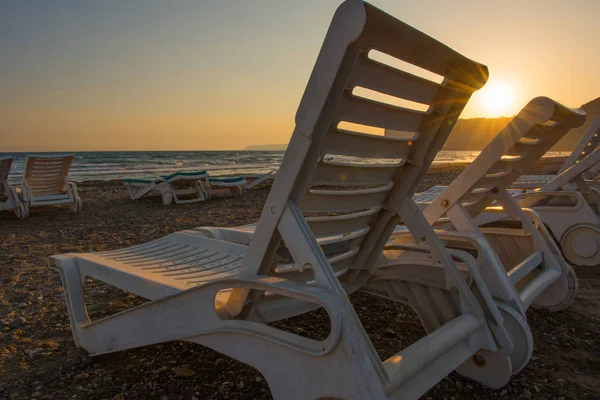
[497,99]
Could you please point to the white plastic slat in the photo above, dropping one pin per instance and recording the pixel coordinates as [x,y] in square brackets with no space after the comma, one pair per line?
[328,173]
[341,224]
[382,78]
[51,197]
[364,145]
[343,201]
[367,112]
[525,267]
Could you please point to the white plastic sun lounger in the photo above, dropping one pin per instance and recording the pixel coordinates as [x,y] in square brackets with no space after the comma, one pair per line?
[46,182]
[172,187]
[588,143]
[235,184]
[532,261]
[222,294]
[563,210]
[9,199]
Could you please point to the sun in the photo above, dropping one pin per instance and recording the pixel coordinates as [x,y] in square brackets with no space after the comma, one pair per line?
[497,98]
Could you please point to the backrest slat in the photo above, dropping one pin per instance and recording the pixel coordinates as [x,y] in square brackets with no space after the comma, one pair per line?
[356,144]
[366,112]
[385,79]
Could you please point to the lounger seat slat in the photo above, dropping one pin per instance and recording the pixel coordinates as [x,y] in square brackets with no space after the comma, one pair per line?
[184,239]
[189,263]
[147,251]
[372,113]
[172,255]
[46,190]
[216,265]
[194,256]
[56,197]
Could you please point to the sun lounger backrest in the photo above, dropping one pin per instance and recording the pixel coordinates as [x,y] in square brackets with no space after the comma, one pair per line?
[588,143]
[516,149]
[5,164]
[336,177]
[47,175]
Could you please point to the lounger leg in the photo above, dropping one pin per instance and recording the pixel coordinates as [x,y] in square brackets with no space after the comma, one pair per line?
[77,202]
[72,285]
[168,194]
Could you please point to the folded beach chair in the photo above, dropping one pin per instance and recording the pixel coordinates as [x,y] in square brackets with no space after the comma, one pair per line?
[172,187]
[46,182]
[588,143]
[532,261]
[9,200]
[222,294]
[563,204]
[235,184]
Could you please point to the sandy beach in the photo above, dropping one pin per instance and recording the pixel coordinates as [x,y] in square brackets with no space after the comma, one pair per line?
[38,358]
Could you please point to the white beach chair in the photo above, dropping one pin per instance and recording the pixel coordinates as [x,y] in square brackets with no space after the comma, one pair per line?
[235,184]
[563,204]
[172,187]
[9,199]
[46,182]
[222,294]
[532,261]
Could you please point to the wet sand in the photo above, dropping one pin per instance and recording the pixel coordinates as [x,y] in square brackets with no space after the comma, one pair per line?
[38,357]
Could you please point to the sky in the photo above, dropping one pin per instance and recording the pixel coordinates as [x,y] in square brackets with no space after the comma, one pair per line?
[225,74]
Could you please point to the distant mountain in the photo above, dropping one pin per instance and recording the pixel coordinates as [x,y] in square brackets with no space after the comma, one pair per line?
[267,147]
[475,133]
[571,139]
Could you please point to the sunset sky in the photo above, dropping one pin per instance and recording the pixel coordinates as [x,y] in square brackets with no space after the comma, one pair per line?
[219,75]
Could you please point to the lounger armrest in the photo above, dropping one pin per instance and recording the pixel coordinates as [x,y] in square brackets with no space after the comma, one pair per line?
[194,313]
[530,198]
[502,289]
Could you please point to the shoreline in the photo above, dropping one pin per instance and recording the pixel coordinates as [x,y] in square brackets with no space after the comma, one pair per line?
[38,353]
[547,165]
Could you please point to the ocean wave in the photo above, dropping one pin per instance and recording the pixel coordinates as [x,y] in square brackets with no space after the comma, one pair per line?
[117,165]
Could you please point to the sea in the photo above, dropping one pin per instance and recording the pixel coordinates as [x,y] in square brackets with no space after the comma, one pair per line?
[112,165]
